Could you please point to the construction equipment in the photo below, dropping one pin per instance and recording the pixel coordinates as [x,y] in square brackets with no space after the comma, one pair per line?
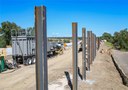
[59,50]
[23,47]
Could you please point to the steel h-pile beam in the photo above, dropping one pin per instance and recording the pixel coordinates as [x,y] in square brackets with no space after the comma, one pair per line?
[41,48]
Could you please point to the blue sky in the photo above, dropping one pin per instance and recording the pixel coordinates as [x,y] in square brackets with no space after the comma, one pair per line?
[97,15]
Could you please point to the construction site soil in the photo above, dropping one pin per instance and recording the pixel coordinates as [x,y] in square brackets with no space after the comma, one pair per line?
[102,76]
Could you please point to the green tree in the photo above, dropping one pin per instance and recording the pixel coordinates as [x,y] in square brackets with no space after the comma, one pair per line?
[2,42]
[31,31]
[116,40]
[66,41]
[120,39]
[107,37]
[7,27]
[0,30]
[124,39]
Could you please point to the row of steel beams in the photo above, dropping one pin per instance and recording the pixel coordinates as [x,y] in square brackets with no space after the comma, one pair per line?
[41,50]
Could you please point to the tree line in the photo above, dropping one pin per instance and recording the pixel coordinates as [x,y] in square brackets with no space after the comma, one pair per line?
[5,32]
[118,39]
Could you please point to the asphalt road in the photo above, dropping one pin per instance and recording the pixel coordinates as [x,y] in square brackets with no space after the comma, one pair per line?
[122,60]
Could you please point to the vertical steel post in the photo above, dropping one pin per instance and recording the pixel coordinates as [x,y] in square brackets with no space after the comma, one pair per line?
[92,48]
[95,44]
[88,47]
[74,56]
[98,43]
[41,48]
[84,53]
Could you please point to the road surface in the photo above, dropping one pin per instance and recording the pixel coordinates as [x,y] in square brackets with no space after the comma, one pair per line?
[122,60]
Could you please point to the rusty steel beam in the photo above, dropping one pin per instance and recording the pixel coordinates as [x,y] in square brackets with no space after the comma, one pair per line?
[84,53]
[41,48]
[98,43]
[94,49]
[91,47]
[94,46]
[75,55]
[88,47]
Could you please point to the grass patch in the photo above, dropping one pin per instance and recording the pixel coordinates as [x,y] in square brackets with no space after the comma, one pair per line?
[109,44]
[123,50]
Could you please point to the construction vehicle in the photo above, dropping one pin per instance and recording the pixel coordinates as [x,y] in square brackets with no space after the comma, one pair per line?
[23,47]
